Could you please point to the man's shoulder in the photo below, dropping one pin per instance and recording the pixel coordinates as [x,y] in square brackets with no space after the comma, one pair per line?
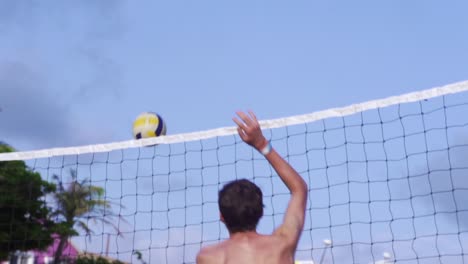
[276,240]
[214,248]
[211,252]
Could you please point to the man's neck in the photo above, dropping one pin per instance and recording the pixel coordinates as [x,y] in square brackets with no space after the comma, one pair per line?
[245,234]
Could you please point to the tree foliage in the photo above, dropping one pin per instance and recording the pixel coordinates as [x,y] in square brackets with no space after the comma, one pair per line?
[24,217]
[79,202]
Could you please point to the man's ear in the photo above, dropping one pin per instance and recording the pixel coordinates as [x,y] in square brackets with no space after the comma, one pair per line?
[221,217]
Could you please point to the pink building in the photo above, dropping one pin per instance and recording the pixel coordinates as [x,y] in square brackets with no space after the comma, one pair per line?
[70,252]
[44,257]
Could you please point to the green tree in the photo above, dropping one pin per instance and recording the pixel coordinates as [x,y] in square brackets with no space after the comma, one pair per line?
[24,216]
[77,204]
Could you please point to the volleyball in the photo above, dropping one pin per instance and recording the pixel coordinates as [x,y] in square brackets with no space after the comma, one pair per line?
[148,124]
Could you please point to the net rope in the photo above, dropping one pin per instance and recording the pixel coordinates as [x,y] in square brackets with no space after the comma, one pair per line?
[386,177]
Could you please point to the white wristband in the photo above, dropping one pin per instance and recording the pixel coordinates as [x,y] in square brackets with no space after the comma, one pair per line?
[266,150]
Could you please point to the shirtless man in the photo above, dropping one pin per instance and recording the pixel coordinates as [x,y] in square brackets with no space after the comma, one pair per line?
[241,207]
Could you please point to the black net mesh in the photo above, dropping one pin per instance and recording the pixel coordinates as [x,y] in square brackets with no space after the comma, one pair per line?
[392,180]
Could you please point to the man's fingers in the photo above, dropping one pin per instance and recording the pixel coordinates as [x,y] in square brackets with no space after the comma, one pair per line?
[239,123]
[254,117]
[247,120]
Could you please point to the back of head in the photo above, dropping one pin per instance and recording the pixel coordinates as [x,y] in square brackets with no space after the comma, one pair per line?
[241,205]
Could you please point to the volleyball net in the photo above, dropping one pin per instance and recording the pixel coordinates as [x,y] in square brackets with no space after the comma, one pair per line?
[386,177]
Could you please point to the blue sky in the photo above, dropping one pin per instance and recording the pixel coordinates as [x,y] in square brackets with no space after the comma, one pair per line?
[79,72]
[74,73]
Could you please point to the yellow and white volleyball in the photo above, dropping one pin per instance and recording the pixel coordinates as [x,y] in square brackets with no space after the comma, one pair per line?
[147,125]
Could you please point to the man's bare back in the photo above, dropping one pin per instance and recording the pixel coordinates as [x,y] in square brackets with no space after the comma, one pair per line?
[248,248]
[240,204]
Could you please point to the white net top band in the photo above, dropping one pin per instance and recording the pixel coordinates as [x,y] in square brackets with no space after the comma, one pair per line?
[225,131]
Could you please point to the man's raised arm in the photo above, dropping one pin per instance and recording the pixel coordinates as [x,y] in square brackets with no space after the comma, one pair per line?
[250,132]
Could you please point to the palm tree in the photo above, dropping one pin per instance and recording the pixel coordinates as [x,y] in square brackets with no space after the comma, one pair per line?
[77,203]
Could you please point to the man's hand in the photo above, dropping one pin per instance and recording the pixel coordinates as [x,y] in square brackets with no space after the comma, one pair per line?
[249,130]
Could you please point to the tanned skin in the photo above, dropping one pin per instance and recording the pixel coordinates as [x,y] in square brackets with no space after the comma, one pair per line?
[253,248]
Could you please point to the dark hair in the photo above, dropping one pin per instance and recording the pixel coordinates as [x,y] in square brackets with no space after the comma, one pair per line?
[241,205]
